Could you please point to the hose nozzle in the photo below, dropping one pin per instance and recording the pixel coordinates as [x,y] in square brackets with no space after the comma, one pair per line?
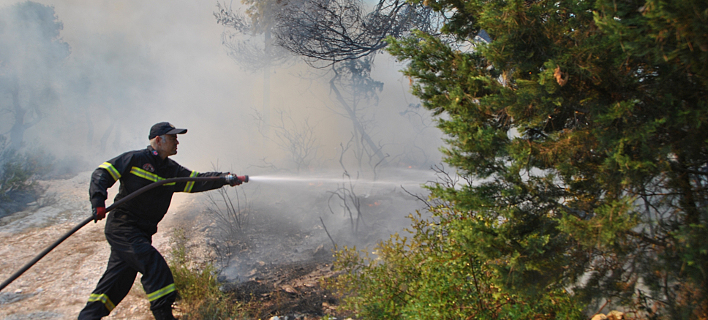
[233,179]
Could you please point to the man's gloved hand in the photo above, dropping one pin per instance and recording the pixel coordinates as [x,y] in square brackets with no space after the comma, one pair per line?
[99,213]
[232,179]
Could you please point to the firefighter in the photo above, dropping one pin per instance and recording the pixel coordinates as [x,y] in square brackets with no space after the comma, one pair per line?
[129,228]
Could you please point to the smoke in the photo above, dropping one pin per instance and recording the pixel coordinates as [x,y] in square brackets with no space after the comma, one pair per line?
[135,63]
[132,64]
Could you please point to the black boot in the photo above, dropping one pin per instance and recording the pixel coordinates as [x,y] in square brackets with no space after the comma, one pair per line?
[164,313]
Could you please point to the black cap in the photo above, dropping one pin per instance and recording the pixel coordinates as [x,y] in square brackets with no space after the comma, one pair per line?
[164,128]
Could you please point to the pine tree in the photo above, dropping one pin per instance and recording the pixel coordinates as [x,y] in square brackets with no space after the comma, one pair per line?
[581,127]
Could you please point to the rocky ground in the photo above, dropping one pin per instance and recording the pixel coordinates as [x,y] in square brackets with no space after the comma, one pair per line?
[274,261]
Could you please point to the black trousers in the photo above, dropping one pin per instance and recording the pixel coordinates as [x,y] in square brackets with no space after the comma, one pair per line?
[131,252]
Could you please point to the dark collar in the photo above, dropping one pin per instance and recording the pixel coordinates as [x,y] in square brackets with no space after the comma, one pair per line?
[155,155]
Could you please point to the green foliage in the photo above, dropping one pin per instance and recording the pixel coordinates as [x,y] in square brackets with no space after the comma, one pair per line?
[198,289]
[435,275]
[582,125]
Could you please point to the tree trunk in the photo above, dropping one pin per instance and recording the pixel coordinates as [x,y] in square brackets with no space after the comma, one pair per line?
[687,201]
[357,125]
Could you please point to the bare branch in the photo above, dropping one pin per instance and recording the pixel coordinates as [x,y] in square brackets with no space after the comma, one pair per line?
[332,31]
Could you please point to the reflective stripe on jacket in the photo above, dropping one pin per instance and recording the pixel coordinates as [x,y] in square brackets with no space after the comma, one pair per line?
[139,168]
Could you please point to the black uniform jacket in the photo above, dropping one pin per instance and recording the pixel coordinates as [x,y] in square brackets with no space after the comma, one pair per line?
[136,169]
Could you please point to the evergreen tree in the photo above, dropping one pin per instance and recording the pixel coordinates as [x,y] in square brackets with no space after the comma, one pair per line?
[581,129]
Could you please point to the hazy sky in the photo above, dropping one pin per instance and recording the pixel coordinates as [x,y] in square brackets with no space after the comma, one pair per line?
[152,61]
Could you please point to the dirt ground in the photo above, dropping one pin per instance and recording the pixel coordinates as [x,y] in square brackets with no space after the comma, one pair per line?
[275,261]
[58,285]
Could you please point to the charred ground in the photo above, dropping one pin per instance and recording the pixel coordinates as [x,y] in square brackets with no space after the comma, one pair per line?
[281,255]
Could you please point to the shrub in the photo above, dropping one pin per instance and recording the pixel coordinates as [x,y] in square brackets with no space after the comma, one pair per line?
[433,275]
[198,288]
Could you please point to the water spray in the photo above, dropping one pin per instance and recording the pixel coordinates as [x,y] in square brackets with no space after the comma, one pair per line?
[320,179]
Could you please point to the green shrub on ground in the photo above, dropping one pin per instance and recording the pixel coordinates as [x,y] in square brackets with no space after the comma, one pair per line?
[198,289]
[434,275]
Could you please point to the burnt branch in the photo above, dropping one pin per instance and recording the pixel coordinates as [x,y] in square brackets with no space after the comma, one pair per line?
[357,88]
[332,31]
[231,216]
[298,139]
[330,237]
[349,201]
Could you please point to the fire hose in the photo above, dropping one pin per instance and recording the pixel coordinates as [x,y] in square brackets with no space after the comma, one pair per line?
[228,178]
